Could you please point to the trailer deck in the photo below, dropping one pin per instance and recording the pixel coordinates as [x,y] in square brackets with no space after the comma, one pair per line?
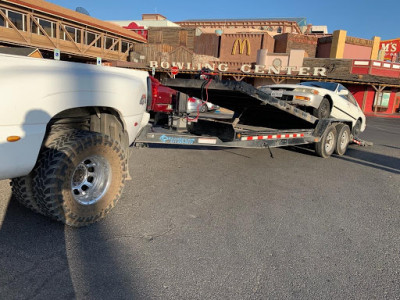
[259,121]
[238,96]
[242,138]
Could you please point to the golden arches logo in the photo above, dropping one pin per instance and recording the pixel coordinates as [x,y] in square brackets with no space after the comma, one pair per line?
[241,44]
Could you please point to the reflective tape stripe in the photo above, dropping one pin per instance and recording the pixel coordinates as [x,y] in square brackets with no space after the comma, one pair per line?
[272,137]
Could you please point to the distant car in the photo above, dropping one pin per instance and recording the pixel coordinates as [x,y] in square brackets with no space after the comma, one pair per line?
[195,104]
[324,99]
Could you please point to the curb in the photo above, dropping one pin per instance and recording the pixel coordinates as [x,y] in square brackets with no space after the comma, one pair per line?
[393,116]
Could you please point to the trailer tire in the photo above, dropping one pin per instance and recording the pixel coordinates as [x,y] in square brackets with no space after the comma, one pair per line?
[79,177]
[324,109]
[326,146]
[343,138]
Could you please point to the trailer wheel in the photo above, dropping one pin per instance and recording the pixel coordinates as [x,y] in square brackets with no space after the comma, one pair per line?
[327,144]
[343,139]
[324,109]
[79,177]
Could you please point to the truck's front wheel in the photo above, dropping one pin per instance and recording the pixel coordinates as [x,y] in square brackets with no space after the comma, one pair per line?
[79,177]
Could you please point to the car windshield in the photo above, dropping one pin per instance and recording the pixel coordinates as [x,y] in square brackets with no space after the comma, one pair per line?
[325,85]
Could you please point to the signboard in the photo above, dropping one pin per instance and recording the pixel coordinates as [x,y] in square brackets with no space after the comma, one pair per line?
[57,54]
[391,47]
[241,44]
[174,70]
[245,68]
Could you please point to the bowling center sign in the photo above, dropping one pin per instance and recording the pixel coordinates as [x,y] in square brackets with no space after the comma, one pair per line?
[244,68]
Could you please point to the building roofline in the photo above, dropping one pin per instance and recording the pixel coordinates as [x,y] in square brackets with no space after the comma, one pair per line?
[244,20]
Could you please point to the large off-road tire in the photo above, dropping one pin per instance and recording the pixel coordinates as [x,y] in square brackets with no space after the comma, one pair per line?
[343,138]
[79,176]
[324,109]
[327,144]
[21,187]
[23,192]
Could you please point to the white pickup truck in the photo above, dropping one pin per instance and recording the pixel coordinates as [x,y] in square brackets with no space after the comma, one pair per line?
[65,129]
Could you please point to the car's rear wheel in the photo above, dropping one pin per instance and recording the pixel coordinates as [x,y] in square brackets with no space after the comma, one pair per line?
[324,109]
[357,128]
[343,139]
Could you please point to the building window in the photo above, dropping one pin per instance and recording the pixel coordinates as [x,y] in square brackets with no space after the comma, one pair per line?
[75,34]
[16,18]
[124,46]
[48,27]
[108,42]
[90,37]
[279,30]
[382,99]
[2,20]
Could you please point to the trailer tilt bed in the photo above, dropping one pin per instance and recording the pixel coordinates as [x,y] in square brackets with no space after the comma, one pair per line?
[259,121]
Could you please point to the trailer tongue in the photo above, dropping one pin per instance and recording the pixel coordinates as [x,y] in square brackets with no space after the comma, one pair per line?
[259,121]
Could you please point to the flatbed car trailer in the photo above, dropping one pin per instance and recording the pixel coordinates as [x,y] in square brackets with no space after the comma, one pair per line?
[259,121]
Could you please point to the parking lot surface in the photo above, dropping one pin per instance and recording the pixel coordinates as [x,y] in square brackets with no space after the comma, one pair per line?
[223,224]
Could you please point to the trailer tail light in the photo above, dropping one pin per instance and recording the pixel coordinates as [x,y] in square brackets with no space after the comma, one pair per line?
[155,92]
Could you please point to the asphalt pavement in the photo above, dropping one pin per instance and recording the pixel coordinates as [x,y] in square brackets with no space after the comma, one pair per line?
[223,224]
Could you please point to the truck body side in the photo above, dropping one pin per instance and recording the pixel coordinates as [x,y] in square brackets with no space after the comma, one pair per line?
[34,91]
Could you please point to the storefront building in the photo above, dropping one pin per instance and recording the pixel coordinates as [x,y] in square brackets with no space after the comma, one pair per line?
[259,52]
[261,59]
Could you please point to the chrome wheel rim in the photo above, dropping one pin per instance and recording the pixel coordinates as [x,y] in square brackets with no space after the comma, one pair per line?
[90,180]
[330,141]
[344,140]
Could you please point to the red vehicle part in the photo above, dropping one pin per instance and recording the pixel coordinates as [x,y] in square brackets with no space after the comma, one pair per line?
[164,98]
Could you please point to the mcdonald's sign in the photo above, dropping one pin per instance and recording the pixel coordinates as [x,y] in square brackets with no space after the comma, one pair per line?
[241,44]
